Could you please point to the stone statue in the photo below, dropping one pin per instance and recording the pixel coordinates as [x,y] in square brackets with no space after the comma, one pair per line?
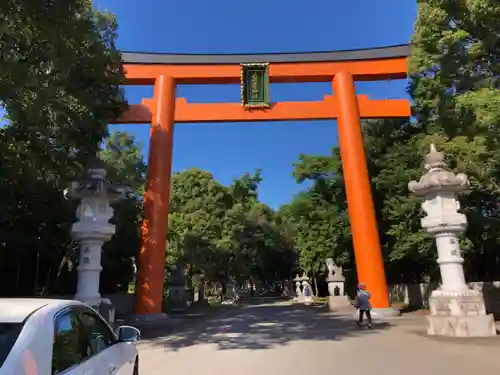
[335,273]
[455,310]
[336,281]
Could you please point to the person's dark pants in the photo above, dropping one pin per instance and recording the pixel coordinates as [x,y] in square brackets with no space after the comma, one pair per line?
[368,316]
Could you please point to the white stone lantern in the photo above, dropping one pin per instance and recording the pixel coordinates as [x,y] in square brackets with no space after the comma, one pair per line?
[306,295]
[92,229]
[455,310]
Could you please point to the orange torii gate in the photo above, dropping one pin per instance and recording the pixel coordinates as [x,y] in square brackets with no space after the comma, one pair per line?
[254,72]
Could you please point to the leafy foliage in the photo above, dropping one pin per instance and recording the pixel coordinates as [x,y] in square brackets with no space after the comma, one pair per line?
[59,79]
[223,232]
[125,165]
[59,85]
[454,71]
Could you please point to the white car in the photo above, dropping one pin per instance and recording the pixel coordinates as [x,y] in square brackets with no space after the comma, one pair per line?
[46,336]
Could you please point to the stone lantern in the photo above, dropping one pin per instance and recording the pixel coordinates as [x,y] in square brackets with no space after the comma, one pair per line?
[455,310]
[306,295]
[92,230]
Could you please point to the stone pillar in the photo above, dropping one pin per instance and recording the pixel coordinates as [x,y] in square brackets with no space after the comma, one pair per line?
[336,280]
[92,230]
[89,267]
[455,310]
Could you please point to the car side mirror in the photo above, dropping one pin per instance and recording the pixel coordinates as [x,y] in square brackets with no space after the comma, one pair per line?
[128,334]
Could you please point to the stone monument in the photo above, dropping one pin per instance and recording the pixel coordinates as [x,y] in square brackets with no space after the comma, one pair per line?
[92,230]
[455,310]
[336,280]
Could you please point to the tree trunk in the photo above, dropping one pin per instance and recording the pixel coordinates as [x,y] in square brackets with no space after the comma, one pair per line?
[315,279]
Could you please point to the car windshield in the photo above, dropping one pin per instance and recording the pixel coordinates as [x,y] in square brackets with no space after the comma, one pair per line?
[8,336]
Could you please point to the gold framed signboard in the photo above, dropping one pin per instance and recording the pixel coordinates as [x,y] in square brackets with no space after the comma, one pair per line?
[255,85]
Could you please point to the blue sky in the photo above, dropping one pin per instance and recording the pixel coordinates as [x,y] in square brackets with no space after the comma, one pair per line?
[224,26]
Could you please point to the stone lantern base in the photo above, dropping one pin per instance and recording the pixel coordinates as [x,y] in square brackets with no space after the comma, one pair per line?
[305,299]
[459,314]
[337,300]
[339,303]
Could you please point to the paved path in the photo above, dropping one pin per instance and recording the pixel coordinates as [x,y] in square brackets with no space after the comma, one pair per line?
[277,339]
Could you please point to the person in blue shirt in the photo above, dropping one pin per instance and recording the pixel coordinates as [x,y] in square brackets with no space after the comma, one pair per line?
[363,305]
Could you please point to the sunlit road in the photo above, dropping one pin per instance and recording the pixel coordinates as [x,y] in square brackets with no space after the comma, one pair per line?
[294,340]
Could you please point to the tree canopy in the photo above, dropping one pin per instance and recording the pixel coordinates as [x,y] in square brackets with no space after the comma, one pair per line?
[454,86]
[60,76]
[223,232]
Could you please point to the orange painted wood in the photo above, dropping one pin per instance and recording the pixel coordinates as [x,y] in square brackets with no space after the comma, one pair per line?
[151,258]
[367,251]
[165,109]
[282,111]
[372,70]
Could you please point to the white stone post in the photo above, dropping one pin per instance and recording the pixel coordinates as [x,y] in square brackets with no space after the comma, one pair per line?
[92,229]
[455,310]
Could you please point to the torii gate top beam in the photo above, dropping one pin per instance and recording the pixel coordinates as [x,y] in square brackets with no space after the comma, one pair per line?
[364,64]
[373,64]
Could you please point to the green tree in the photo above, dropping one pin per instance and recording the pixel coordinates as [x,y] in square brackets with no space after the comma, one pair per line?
[126,167]
[197,208]
[224,232]
[454,85]
[318,215]
[59,84]
[60,73]
[321,214]
[454,70]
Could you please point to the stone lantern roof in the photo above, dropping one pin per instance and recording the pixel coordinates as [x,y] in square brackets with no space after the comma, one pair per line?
[438,176]
[95,184]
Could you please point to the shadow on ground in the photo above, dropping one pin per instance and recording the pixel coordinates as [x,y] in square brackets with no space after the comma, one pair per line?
[261,326]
